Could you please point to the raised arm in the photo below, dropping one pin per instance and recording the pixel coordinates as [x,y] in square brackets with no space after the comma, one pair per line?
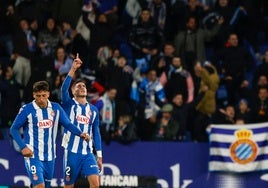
[67,82]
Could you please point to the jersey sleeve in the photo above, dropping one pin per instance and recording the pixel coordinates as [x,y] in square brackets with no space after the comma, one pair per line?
[66,123]
[19,122]
[65,96]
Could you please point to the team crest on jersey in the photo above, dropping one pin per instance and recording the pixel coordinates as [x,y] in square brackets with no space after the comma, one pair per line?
[46,123]
[244,150]
[52,113]
[35,177]
[89,113]
[82,119]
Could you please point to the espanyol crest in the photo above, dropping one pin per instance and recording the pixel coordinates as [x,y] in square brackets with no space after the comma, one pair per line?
[244,150]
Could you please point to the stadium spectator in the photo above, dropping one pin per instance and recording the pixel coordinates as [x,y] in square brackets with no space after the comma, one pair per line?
[48,40]
[227,11]
[10,98]
[167,127]
[107,113]
[180,114]
[178,80]
[190,44]
[73,41]
[233,62]
[207,105]
[262,81]
[152,97]
[224,115]
[159,12]
[125,131]
[260,106]
[62,62]
[162,62]
[132,11]
[56,88]
[101,34]
[261,69]
[6,21]
[24,48]
[145,38]
[121,73]
[243,112]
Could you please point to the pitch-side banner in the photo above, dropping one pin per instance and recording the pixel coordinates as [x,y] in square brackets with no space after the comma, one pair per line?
[174,164]
[239,148]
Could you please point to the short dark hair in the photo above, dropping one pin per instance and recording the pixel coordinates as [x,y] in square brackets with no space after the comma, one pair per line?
[78,81]
[40,86]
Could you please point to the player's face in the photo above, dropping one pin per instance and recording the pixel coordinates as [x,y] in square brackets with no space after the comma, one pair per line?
[41,98]
[80,90]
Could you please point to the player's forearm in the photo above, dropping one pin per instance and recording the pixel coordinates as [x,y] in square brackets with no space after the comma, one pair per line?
[71,72]
[15,133]
[65,87]
[97,142]
[73,129]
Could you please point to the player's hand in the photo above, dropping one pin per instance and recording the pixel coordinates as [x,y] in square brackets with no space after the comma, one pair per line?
[85,136]
[77,62]
[26,152]
[99,161]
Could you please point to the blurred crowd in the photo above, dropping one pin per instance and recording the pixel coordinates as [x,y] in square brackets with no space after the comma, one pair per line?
[158,70]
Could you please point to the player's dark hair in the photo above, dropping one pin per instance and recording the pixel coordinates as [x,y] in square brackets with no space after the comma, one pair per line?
[78,81]
[40,86]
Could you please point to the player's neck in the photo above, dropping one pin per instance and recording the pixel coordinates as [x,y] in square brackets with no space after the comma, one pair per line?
[81,100]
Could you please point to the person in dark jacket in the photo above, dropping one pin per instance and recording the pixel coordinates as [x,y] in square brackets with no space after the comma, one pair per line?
[125,132]
[10,98]
[190,43]
[260,106]
[262,69]
[121,73]
[233,62]
[21,53]
[145,37]
[101,34]
[178,80]
[224,115]
[167,127]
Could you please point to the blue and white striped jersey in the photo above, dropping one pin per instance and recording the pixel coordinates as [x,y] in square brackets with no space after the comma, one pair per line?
[40,126]
[85,117]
